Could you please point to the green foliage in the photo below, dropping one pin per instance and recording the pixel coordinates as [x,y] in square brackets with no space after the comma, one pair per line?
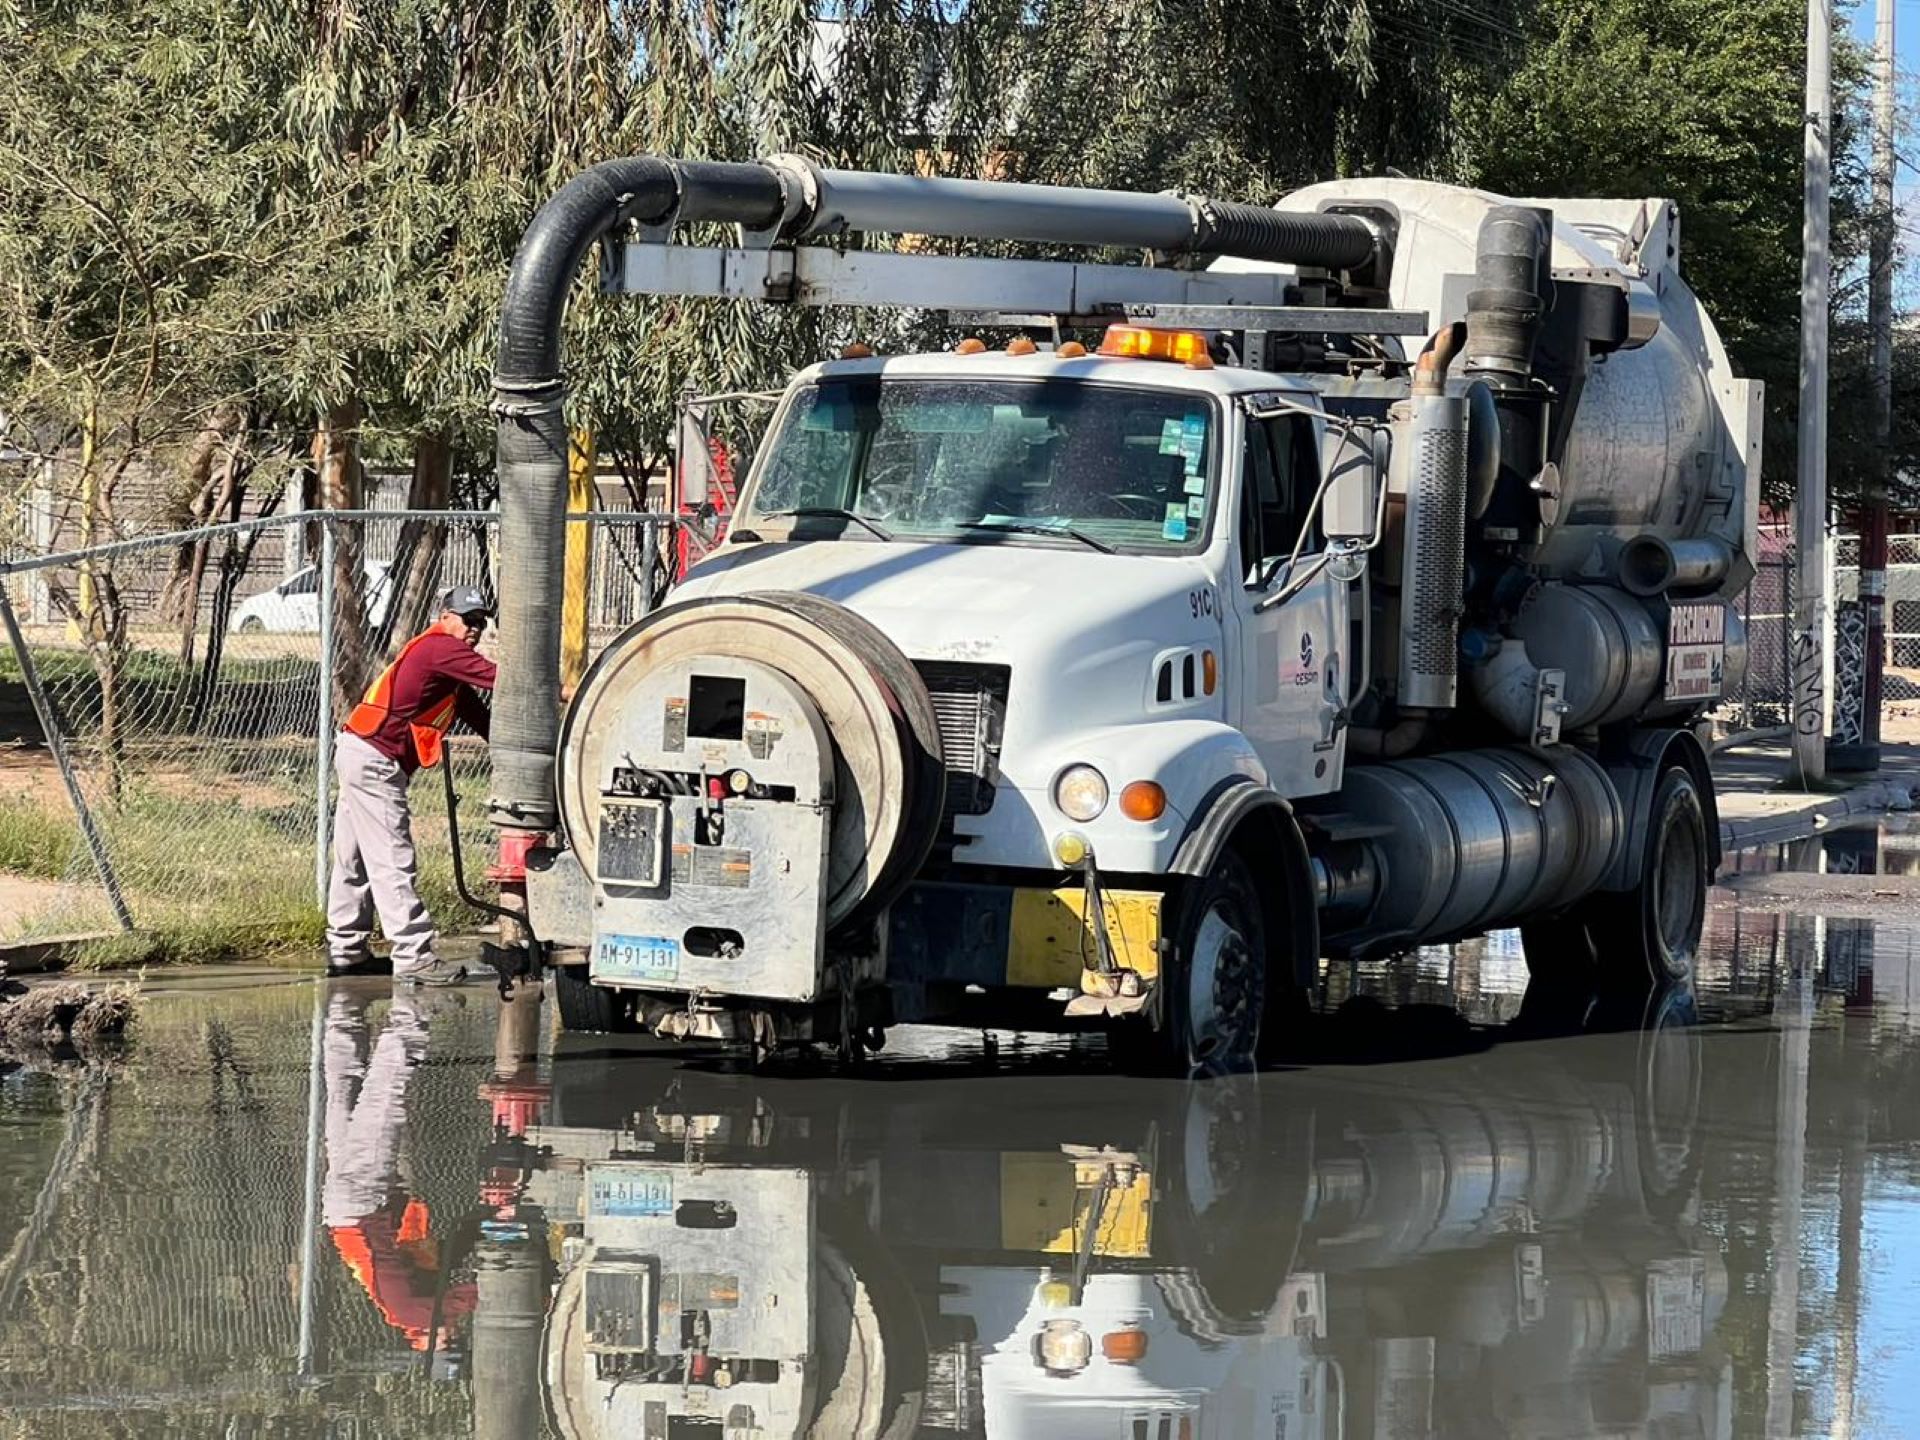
[1702,103]
[1245,100]
[297,204]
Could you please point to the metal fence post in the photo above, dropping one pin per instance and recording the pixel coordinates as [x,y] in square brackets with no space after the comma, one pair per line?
[310,1209]
[649,549]
[323,736]
[56,746]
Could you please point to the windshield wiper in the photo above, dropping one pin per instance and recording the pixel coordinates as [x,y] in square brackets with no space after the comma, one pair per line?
[827,512]
[1034,527]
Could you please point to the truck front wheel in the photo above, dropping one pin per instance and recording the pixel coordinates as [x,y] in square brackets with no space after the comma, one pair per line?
[1647,938]
[1215,980]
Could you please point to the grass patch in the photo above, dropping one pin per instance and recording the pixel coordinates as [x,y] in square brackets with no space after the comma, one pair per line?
[214,874]
[65,665]
[34,841]
[296,935]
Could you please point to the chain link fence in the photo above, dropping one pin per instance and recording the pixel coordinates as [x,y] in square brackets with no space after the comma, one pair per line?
[189,686]
[172,1278]
[1900,696]
[1763,700]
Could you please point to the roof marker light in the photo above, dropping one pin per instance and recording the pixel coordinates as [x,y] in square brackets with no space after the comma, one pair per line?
[1143,342]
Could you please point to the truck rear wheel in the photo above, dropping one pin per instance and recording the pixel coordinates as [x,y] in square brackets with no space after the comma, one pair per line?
[587,1008]
[1647,938]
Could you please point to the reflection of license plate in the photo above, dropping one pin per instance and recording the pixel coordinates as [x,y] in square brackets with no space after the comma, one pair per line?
[636,957]
[630,1193]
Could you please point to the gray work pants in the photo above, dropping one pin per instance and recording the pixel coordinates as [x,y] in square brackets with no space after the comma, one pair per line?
[366,1104]
[373,865]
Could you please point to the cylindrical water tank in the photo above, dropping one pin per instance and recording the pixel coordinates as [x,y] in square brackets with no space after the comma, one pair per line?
[1660,436]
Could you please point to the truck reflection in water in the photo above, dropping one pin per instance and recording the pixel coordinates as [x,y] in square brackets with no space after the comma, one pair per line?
[1504,1244]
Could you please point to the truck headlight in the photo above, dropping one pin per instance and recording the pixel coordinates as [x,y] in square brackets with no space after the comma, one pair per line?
[1080,792]
[1062,1347]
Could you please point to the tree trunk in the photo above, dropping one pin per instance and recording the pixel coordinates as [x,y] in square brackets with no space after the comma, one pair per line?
[197,487]
[415,577]
[234,560]
[342,486]
[215,501]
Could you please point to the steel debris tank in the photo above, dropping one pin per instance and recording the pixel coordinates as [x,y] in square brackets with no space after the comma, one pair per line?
[1663,449]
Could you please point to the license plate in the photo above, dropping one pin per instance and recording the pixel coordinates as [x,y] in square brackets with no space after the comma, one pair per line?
[630,1193]
[636,957]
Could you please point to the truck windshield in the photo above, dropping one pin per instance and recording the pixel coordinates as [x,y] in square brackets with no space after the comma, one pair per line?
[1112,466]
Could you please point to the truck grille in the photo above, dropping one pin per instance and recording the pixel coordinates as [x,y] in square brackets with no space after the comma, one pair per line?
[970,702]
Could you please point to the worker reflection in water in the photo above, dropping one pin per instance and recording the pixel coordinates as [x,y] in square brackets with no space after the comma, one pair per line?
[383,1233]
[397,727]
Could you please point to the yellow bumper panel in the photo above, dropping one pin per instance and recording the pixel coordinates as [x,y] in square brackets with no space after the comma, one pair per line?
[1050,941]
[1046,1201]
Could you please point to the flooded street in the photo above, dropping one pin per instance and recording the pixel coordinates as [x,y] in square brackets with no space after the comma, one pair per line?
[293,1209]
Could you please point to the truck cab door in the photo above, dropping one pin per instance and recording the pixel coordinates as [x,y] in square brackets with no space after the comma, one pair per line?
[1292,662]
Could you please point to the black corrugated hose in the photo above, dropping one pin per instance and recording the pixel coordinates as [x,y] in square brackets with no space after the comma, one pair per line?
[532,437]
[1331,242]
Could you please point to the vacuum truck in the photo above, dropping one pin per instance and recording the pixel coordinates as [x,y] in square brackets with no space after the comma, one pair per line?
[1347,577]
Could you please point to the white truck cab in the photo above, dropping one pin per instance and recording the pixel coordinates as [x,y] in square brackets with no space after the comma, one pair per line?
[1089,529]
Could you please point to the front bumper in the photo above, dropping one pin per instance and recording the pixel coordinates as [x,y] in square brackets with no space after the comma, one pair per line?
[945,933]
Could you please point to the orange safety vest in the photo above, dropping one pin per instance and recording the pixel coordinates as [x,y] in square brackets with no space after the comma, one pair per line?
[428,728]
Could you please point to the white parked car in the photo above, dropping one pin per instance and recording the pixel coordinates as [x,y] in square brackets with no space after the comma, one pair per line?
[293,605]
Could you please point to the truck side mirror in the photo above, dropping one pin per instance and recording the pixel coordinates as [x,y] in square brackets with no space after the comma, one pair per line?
[1357,468]
[693,456]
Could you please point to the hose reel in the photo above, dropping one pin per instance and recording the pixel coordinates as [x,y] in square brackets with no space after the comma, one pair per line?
[887,779]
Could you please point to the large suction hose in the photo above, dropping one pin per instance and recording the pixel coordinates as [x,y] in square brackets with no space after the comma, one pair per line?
[793,199]
[532,437]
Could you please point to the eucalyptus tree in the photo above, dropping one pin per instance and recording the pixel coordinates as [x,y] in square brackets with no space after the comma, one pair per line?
[1702,103]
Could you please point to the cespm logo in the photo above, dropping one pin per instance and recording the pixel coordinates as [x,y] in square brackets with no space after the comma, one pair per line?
[1303,672]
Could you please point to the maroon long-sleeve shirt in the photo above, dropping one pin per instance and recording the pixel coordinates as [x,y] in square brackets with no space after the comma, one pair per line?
[437,667]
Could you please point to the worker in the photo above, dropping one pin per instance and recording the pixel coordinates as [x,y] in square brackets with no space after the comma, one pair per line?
[380,1227]
[397,727]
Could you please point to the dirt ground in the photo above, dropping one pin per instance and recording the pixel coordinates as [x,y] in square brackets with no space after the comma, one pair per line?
[23,899]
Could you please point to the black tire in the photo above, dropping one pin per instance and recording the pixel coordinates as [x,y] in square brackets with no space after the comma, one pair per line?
[587,1008]
[1235,1160]
[1647,938]
[1214,984]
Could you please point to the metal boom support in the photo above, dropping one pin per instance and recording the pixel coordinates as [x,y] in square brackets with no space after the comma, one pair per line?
[1069,291]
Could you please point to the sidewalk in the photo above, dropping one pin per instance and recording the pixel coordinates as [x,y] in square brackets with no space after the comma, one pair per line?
[1760,806]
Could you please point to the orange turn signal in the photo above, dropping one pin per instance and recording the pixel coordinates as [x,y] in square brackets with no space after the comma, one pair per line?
[972,345]
[1145,343]
[1209,672]
[1124,1347]
[1143,800]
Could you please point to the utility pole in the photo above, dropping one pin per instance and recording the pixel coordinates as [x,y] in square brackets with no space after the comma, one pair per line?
[1810,505]
[1865,755]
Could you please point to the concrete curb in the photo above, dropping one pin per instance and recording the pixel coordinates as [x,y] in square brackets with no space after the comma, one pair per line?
[1871,798]
[44,953]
